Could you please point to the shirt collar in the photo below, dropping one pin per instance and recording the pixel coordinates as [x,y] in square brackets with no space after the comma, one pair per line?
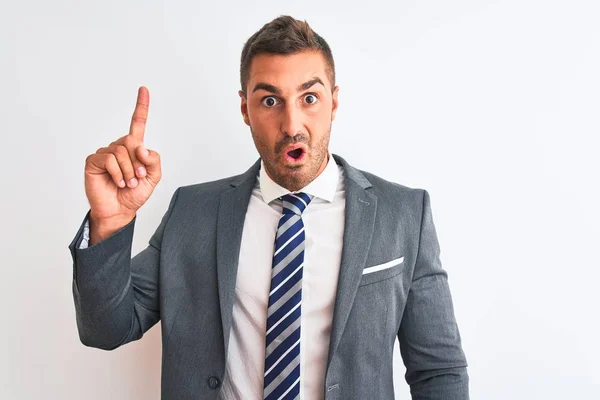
[323,186]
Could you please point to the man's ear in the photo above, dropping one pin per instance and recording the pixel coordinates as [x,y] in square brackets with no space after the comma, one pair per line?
[244,107]
[334,102]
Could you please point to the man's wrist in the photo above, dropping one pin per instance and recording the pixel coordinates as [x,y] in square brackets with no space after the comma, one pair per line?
[102,228]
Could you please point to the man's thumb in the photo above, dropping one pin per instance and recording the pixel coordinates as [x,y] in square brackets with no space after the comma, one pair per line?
[151,160]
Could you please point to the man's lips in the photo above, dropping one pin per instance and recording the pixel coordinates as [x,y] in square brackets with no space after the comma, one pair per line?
[294,153]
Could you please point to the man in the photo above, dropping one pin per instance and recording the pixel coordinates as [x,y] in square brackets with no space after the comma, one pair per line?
[291,280]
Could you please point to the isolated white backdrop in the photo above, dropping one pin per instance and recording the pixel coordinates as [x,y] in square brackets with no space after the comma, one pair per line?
[492,106]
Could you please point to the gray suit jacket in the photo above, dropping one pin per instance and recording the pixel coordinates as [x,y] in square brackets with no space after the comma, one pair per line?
[186,278]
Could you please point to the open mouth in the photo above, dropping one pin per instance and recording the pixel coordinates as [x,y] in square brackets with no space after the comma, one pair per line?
[295,155]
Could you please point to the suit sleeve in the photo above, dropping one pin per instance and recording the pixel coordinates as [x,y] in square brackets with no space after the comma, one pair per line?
[116,296]
[430,343]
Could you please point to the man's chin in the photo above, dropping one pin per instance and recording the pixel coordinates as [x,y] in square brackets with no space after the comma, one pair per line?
[293,177]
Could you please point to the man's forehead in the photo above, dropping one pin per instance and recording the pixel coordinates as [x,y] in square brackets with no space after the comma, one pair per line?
[287,72]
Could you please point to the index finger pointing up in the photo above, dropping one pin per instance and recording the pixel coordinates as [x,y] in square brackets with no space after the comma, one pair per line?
[140,114]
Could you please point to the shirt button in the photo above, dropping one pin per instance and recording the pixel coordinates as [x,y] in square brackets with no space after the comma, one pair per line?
[213,382]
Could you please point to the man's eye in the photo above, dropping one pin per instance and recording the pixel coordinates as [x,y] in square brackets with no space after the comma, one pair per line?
[269,101]
[310,99]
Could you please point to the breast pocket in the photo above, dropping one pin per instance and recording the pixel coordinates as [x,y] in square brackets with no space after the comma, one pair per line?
[382,271]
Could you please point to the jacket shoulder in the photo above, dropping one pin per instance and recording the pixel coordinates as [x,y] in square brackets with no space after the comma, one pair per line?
[385,188]
[205,193]
[396,201]
[217,186]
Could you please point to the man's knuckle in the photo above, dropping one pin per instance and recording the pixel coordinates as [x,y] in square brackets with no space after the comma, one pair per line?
[121,150]
[131,142]
[138,120]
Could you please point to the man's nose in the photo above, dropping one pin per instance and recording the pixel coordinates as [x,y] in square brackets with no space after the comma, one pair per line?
[291,120]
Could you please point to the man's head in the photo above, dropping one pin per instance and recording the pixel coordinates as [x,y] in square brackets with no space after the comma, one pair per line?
[289,99]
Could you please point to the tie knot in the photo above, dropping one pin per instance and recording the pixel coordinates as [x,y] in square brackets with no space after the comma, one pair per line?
[295,203]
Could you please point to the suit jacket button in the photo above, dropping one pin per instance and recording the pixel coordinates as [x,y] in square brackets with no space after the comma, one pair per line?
[213,382]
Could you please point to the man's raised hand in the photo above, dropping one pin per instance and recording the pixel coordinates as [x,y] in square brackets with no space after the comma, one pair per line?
[120,178]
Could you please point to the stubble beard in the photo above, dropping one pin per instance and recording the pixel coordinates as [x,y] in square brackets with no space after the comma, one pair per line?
[293,178]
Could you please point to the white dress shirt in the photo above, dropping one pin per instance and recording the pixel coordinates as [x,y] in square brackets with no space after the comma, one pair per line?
[324,228]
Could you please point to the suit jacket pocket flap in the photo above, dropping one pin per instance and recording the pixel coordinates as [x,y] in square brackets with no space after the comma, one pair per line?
[382,271]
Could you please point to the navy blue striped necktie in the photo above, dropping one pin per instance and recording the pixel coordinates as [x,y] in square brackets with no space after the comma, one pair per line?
[282,355]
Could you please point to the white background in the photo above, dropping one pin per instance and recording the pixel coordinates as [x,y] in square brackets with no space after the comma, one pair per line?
[492,106]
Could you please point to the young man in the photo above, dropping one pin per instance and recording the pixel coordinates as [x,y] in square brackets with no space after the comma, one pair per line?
[291,280]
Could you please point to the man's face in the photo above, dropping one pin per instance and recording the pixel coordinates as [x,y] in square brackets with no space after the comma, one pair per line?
[289,108]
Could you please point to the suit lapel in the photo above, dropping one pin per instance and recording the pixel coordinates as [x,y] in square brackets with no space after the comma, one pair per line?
[361,207]
[230,225]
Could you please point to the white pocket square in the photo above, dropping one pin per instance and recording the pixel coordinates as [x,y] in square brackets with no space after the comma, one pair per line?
[383,266]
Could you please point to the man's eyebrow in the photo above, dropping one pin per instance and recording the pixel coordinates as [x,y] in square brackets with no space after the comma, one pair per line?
[267,87]
[308,84]
[273,89]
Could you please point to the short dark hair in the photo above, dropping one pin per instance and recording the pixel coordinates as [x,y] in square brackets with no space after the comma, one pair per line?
[284,35]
